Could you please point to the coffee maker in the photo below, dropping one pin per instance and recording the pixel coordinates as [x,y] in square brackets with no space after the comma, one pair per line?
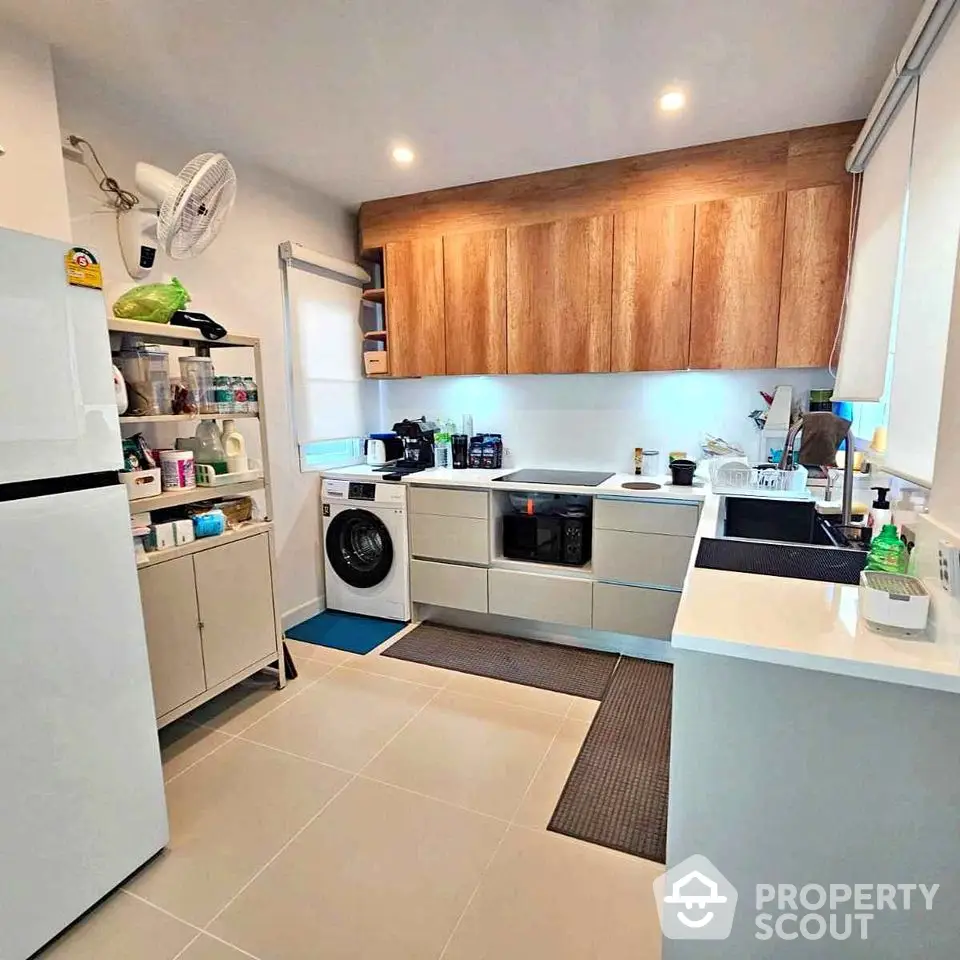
[417,437]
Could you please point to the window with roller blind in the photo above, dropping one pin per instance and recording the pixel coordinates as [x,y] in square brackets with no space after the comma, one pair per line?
[929,266]
[329,390]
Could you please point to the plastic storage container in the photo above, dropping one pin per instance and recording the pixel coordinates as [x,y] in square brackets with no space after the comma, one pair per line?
[197,376]
[147,374]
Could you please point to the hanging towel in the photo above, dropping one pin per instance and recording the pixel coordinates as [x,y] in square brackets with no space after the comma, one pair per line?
[821,436]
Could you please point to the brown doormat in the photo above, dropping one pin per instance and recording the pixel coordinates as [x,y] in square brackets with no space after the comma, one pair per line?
[616,795]
[549,666]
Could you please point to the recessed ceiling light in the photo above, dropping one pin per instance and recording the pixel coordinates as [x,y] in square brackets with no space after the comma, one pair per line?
[672,101]
[403,156]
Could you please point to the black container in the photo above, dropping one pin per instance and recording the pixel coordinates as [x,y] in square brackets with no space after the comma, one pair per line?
[461,451]
[682,471]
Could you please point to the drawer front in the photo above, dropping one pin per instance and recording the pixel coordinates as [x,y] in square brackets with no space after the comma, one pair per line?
[639,611]
[449,503]
[641,558]
[459,539]
[676,519]
[535,596]
[448,585]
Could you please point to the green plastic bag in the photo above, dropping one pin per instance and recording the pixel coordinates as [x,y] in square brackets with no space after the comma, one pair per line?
[154,302]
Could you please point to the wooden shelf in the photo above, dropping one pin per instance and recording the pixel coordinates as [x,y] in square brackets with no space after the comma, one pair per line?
[179,498]
[190,417]
[374,296]
[176,336]
[204,543]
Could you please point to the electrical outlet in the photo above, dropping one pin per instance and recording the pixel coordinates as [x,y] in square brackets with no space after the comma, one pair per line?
[70,152]
[949,560]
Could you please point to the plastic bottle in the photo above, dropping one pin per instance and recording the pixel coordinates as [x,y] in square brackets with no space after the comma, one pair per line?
[880,513]
[887,552]
[235,448]
[239,389]
[208,446]
[443,447]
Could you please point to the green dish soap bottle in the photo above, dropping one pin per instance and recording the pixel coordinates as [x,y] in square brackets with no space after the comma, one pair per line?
[888,552]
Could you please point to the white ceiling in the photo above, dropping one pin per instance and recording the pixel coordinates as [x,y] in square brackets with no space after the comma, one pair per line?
[320,90]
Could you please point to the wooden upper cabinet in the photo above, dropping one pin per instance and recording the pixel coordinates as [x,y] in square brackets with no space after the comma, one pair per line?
[815,250]
[475,301]
[652,279]
[413,277]
[559,285]
[738,253]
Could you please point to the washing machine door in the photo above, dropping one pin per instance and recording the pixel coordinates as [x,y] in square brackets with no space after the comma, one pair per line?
[359,548]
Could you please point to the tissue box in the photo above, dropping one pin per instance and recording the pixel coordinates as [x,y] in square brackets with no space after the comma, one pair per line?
[163,536]
[183,532]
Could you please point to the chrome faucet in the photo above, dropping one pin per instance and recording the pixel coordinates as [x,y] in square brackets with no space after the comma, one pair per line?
[786,463]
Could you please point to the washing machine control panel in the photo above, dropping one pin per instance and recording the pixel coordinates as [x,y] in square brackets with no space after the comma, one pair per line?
[362,491]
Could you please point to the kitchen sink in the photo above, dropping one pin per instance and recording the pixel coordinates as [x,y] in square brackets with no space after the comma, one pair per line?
[781,538]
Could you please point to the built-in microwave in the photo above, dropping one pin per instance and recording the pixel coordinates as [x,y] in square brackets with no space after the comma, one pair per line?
[547,538]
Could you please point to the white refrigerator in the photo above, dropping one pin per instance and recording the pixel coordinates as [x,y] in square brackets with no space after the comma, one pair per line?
[81,788]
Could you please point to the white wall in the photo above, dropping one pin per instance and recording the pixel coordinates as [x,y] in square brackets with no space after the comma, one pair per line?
[33,197]
[595,420]
[237,281]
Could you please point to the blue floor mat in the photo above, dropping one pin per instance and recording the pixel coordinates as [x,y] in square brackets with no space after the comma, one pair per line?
[345,631]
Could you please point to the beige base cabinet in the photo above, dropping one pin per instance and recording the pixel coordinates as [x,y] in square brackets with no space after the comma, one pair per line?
[537,596]
[209,616]
[639,611]
[449,585]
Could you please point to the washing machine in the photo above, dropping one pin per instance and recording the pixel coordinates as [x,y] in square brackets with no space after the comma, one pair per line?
[366,552]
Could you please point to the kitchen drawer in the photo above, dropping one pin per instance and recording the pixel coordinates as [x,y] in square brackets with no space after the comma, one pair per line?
[676,519]
[460,539]
[639,611]
[536,596]
[449,503]
[448,585]
[644,558]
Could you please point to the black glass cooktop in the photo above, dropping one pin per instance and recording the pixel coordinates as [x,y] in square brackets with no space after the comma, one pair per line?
[572,478]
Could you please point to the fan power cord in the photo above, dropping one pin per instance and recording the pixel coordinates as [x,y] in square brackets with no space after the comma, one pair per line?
[120,199]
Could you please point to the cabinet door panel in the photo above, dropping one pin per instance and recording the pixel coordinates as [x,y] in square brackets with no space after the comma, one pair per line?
[235,595]
[168,595]
[559,286]
[738,253]
[475,302]
[815,248]
[413,275]
[652,279]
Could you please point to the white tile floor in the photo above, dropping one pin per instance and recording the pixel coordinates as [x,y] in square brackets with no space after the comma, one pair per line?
[374,808]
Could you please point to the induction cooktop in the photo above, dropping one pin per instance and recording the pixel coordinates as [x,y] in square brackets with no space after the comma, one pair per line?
[570,478]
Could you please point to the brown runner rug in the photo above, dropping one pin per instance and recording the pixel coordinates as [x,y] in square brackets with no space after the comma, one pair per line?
[616,795]
[549,666]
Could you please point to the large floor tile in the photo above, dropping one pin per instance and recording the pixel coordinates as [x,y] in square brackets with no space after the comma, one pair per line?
[345,719]
[183,743]
[243,705]
[302,650]
[547,897]
[228,816]
[477,753]
[382,873]
[541,799]
[402,669]
[207,948]
[121,928]
[547,701]
[583,709]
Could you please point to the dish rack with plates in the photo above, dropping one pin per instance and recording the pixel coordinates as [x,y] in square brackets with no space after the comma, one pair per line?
[737,476]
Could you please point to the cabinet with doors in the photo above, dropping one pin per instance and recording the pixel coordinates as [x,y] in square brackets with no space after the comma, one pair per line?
[725,256]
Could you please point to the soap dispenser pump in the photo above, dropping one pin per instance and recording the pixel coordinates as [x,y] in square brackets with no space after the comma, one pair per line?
[881,512]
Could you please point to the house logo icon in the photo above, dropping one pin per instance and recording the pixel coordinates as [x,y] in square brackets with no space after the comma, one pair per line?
[695,901]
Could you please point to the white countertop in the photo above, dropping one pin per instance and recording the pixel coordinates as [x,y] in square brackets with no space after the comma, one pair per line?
[813,625]
[778,620]
[487,480]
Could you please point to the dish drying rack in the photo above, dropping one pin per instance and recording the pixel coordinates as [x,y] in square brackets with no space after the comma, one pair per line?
[737,476]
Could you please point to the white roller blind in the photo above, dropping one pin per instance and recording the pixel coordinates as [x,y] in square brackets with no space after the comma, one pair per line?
[865,348]
[932,234]
[327,365]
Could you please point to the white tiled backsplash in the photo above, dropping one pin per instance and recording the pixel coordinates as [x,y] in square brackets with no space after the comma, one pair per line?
[593,421]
